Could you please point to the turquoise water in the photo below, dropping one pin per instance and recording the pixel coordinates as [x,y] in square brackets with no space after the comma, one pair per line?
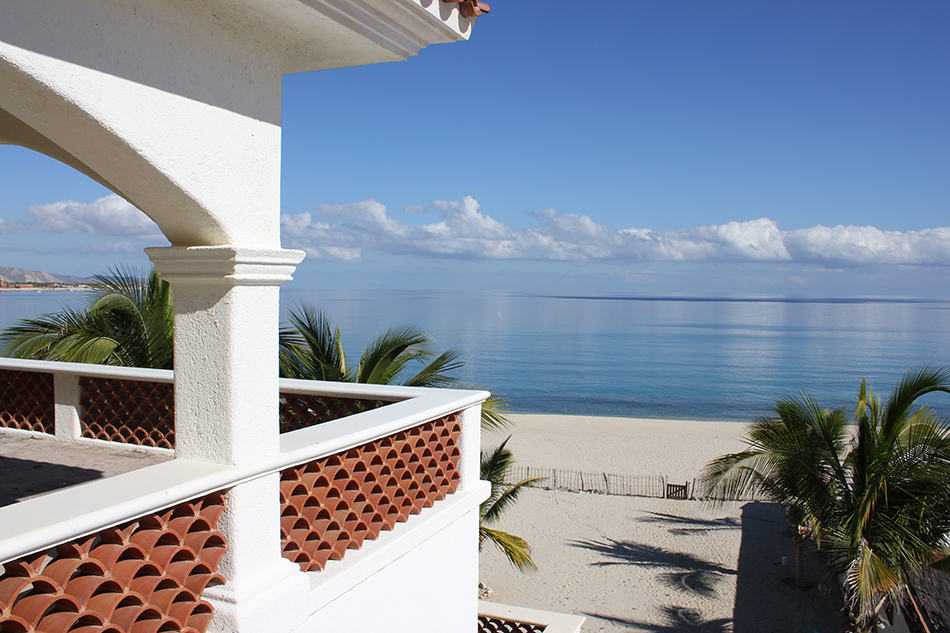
[677,358]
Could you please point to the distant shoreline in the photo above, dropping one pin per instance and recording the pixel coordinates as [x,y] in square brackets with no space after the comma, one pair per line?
[751,299]
[631,418]
[47,288]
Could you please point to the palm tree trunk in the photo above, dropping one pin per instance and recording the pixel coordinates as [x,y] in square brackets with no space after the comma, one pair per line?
[799,563]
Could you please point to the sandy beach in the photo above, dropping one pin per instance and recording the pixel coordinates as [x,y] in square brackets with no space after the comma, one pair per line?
[642,564]
[676,448]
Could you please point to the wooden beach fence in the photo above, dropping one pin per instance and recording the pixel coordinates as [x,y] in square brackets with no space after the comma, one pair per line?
[656,486]
[601,483]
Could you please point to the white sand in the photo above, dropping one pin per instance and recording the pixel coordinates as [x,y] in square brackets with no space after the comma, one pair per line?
[676,448]
[640,564]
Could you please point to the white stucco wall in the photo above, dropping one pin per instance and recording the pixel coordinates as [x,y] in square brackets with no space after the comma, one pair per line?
[429,586]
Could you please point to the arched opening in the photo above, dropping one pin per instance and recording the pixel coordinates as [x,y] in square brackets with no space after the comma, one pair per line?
[205,175]
[56,219]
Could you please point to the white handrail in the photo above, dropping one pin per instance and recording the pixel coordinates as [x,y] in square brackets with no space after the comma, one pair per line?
[40,523]
[88,369]
[287,385]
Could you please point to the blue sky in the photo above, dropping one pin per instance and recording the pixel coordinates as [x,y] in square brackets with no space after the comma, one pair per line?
[641,147]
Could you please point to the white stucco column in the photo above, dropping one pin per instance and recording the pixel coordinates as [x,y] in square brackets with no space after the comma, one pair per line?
[66,395]
[226,411]
[470,441]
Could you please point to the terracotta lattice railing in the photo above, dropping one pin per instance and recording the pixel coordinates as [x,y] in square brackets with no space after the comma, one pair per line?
[26,401]
[145,576]
[128,411]
[340,484]
[335,503]
[139,411]
[302,410]
[488,624]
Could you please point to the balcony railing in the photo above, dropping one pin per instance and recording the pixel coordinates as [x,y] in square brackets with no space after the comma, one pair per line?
[134,552]
[137,406]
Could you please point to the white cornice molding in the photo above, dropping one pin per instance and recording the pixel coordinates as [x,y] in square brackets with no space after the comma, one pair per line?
[225,265]
[375,30]
[402,27]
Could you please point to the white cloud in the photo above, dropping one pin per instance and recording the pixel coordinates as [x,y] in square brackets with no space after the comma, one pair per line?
[109,215]
[460,228]
[5,227]
[869,244]
[121,247]
[347,231]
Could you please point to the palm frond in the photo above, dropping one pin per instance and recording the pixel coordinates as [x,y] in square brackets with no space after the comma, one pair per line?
[507,498]
[515,548]
[495,413]
[867,579]
[436,372]
[384,359]
[311,348]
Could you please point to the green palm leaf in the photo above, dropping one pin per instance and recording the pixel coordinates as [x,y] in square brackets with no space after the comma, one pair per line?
[311,348]
[495,466]
[386,357]
[128,322]
[515,548]
[436,372]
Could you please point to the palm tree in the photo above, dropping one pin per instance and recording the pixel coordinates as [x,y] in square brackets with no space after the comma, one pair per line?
[129,322]
[789,460]
[878,504]
[893,511]
[311,349]
[495,467]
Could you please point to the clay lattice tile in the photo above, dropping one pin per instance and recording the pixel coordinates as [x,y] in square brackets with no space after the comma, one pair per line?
[143,413]
[26,401]
[337,502]
[128,411]
[488,624]
[298,411]
[145,576]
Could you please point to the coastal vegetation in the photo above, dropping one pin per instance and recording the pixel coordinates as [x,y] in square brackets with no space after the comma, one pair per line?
[130,322]
[496,467]
[874,496]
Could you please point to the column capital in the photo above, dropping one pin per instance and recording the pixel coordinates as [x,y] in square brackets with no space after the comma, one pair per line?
[228,265]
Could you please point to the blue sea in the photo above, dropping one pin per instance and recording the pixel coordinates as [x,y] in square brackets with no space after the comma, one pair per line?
[702,358]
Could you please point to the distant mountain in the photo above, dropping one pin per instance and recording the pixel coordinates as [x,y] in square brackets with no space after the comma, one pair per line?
[20,276]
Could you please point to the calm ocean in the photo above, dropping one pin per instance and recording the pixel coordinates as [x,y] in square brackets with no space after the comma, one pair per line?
[651,357]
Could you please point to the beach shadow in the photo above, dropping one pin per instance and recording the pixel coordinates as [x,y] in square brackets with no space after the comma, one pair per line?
[700,582]
[766,596]
[676,620]
[691,525]
[686,572]
[22,478]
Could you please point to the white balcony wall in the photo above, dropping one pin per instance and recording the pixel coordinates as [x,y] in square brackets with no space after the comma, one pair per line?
[426,581]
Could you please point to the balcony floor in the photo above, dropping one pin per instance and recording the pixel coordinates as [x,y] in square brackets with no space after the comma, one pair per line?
[30,467]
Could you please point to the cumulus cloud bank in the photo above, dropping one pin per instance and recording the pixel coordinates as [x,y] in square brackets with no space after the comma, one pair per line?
[345,231]
[109,215]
